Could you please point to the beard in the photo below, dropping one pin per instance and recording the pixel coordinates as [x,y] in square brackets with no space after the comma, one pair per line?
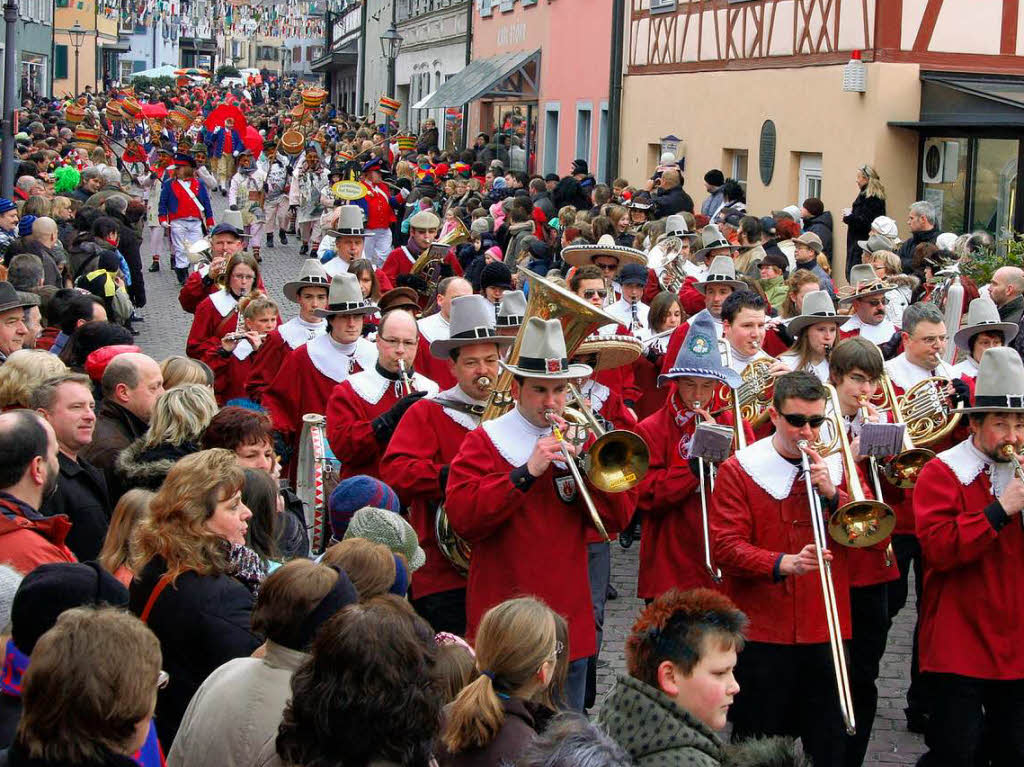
[50,485]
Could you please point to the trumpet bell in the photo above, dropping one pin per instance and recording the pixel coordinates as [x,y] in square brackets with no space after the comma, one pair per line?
[861,523]
[902,470]
[199,251]
[617,461]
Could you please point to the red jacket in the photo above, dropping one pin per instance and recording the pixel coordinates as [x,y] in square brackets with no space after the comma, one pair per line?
[230,374]
[971,605]
[434,369]
[209,324]
[525,542]
[427,439]
[194,291]
[398,263]
[27,543]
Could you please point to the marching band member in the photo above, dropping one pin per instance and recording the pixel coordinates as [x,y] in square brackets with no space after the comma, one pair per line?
[743,321]
[679,262]
[225,241]
[185,209]
[379,205]
[345,240]
[982,331]
[309,291]
[608,258]
[967,504]
[867,295]
[671,550]
[718,285]
[511,500]
[423,228]
[225,144]
[630,310]
[309,181]
[762,541]
[815,331]
[714,246]
[217,314]
[310,373]
[426,440]
[365,408]
[245,194]
[232,362]
[511,310]
[435,327]
[275,169]
[666,315]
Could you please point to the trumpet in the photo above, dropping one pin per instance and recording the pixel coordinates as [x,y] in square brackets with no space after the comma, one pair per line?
[1010,451]
[618,459]
[406,379]
[570,461]
[716,574]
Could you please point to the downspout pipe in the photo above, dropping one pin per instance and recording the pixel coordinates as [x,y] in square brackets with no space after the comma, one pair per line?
[615,91]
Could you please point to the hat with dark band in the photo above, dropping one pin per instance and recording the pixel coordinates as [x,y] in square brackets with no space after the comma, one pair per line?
[1000,382]
[983,317]
[311,275]
[542,353]
[345,297]
[472,322]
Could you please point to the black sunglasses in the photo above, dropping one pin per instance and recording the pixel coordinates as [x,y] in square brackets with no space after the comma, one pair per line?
[798,421]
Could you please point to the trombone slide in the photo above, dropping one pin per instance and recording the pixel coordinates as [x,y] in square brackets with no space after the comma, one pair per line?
[716,574]
[570,461]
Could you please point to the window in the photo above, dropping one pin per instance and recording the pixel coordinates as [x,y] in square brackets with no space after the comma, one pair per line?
[602,142]
[663,6]
[583,119]
[551,113]
[735,165]
[810,176]
[994,186]
[60,62]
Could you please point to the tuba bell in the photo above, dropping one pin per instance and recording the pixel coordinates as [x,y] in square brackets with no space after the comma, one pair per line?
[928,418]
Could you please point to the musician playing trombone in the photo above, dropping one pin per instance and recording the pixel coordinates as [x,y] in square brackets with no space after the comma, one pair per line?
[426,440]
[762,540]
[512,499]
[967,505]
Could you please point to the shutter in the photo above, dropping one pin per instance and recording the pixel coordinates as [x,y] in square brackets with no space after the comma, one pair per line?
[60,61]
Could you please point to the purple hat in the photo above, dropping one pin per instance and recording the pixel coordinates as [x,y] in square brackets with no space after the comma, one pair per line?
[356,493]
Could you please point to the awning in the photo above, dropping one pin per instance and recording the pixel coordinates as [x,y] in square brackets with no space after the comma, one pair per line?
[345,54]
[510,75]
[957,101]
[116,47]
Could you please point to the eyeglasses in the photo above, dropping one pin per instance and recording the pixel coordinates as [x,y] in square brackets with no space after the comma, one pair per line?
[876,302]
[798,421]
[607,267]
[162,680]
[399,342]
[591,293]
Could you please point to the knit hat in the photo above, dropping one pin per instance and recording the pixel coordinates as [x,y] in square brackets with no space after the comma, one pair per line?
[496,275]
[6,205]
[495,252]
[814,206]
[51,589]
[480,226]
[109,261]
[10,579]
[25,225]
[714,177]
[580,166]
[387,527]
[777,260]
[353,494]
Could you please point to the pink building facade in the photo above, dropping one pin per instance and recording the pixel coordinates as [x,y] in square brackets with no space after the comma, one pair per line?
[554,105]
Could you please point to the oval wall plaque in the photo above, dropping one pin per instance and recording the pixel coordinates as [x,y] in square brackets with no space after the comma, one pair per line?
[766,152]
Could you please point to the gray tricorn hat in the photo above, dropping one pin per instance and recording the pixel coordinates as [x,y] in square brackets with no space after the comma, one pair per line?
[1000,382]
[471,322]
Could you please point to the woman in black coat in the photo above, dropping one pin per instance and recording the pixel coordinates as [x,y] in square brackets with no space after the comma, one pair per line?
[869,205]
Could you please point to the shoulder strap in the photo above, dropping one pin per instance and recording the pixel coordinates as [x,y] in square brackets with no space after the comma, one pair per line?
[153,596]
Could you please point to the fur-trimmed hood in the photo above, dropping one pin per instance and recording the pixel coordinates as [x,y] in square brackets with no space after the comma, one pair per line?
[765,752]
[908,281]
[146,467]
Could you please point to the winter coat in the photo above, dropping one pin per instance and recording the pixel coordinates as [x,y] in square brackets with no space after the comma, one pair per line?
[906,251]
[16,756]
[202,622]
[517,232]
[570,191]
[51,271]
[668,202]
[81,496]
[858,224]
[428,139]
[655,730]
[28,539]
[775,290]
[235,710]
[523,720]
[84,255]
[116,428]
[711,205]
[130,244]
[822,226]
[146,467]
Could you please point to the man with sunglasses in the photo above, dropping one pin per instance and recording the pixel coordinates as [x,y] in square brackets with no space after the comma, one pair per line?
[763,542]
[867,295]
[607,257]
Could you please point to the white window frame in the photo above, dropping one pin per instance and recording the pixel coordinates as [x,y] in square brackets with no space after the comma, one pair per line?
[810,176]
[555,108]
[584,146]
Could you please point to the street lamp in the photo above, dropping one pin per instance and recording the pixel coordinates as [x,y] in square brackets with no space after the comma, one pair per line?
[77,35]
[391,44]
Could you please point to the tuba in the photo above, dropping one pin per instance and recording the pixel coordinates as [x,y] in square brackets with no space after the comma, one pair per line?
[672,275]
[428,265]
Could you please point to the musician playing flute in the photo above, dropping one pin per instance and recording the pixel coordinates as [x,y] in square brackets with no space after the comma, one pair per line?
[513,499]
[426,440]
[232,362]
[763,542]
[365,409]
[967,505]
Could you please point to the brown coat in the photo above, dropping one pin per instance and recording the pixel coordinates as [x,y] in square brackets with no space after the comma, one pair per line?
[522,721]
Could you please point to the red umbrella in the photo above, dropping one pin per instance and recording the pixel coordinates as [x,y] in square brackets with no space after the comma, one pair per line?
[153,111]
[253,140]
[221,113]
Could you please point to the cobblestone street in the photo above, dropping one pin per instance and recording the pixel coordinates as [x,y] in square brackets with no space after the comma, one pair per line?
[164,331]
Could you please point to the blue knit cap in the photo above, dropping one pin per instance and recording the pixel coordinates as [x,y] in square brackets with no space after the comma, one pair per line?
[6,205]
[356,493]
[25,225]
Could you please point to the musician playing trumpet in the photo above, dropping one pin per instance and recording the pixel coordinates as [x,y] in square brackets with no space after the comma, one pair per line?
[426,440]
[762,540]
[225,241]
[967,505]
[512,499]
[364,410]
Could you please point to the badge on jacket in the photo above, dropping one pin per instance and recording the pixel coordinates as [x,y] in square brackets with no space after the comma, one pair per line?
[565,486]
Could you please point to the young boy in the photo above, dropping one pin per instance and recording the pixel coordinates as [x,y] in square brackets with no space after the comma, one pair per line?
[232,362]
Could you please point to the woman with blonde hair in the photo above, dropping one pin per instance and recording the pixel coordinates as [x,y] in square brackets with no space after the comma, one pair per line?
[116,552]
[23,371]
[178,370]
[179,418]
[869,205]
[195,579]
[888,267]
[496,716]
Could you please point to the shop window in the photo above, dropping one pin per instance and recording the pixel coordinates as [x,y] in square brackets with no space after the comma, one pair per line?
[810,176]
[944,179]
[994,186]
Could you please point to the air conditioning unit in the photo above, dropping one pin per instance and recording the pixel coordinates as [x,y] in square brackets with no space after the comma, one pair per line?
[941,161]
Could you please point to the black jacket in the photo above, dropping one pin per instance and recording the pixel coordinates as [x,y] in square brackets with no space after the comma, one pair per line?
[668,202]
[863,211]
[130,244]
[116,428]
[822,226]
[202,622]
[906,253]
[139,466]
[15,756]
[51,272]
[81,495]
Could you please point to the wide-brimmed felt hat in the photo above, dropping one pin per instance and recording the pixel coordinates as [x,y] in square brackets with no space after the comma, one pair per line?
[983,317]
[345,297]
[999,386]
[863,283]
[817,307]
[721,272]
[542,353]
[399,298]
[349,224]
[471,322]
[581,255]
[811,240]
[612,350]
[876,242]
[425,219]
[511,309]
[9,298]
[700,356]
[675,226]
[311,274]
[711,238]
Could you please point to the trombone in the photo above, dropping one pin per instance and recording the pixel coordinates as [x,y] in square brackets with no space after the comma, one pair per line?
[570,461]
[716,573]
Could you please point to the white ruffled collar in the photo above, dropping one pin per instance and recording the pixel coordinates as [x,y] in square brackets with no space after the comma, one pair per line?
[596,392]
[513,436]
[336,266]
[223,302]
[465,420]
[966,367]
[773,473]
[967,462]
[297,331]
[370,385]
[876,334]
[335,360]
[905,373]
[435,327]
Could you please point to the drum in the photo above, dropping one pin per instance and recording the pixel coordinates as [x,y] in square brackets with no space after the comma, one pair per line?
[317,474]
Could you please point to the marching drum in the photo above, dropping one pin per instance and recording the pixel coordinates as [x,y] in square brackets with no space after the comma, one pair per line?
[317,474]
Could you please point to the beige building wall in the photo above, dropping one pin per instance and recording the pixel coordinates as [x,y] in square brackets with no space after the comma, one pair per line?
[714,112]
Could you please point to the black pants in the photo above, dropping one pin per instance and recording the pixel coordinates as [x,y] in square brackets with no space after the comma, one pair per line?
[869,613]
[908,553]
[974,722]
[444,611]
[790,690]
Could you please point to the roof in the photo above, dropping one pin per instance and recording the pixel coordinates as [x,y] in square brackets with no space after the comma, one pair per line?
[508,75]
[953,100]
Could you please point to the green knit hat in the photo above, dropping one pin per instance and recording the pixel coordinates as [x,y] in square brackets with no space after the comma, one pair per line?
[383,526]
